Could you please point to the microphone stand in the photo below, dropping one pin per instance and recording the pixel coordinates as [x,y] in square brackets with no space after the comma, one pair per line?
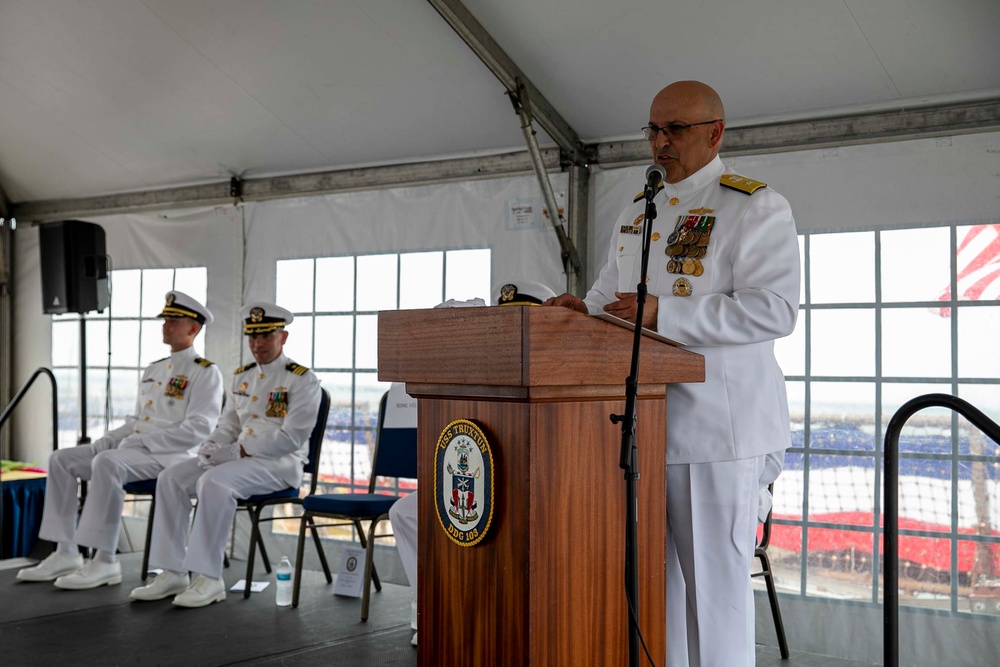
[629,457]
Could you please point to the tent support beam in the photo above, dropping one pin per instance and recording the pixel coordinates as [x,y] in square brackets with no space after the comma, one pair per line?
[578,201]
[281,187]
[943,120]
[869,128]
[483,45]
[522,105]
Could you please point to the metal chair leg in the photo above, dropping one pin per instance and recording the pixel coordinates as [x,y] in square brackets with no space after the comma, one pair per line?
[772,596]
[254,514]
[299,550]
[149,538]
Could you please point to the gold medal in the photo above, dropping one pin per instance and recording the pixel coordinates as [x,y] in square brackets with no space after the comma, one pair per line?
[698,269]
[672,266]
[688,266]
[682,287]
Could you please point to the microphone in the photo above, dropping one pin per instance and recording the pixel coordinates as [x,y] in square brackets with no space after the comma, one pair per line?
[654,176]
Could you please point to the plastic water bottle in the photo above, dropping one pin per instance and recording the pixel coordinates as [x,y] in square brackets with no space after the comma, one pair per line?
[283,590]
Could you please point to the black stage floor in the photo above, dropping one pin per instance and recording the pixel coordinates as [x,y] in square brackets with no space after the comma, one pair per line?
[43,625]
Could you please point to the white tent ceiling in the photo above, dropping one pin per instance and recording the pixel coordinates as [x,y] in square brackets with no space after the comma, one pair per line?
[108,96]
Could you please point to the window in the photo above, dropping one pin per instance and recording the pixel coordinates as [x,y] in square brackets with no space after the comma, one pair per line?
[335,301]
[116,356]
[888,315]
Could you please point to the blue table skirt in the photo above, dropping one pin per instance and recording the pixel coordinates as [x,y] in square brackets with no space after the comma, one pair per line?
[23,500]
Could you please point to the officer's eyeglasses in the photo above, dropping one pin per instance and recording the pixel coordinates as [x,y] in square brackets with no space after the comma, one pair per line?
[672,130]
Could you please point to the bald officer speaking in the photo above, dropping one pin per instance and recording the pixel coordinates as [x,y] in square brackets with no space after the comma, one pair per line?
[724,278]
[178,405]
[260,445]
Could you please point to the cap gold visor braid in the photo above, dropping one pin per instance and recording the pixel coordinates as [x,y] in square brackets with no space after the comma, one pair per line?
[175,311]
[262,327]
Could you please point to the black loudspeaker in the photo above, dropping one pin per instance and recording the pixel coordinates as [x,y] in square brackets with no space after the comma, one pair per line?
[74,267]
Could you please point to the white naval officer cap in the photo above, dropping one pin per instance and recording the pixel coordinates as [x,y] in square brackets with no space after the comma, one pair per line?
[261,317]
[521,293]
[180,304]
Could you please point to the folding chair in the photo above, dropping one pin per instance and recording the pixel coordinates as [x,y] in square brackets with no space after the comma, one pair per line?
[145,487]
[772,595]
[395,456]
[254,505]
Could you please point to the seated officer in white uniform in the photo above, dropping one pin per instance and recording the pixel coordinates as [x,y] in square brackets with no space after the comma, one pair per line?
[403,514]
[259,446]
[178,405]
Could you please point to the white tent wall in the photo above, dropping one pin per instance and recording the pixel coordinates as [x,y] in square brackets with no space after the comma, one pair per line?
[435,217]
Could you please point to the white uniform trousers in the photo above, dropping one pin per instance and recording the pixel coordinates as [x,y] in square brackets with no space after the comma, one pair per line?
[403,516]
[711,536]
[217,490]
[108,471]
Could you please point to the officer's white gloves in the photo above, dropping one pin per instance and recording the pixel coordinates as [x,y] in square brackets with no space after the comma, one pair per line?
[213,453]
[103,443]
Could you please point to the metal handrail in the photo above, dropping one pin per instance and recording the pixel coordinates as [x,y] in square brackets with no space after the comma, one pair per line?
[55,424]
[890,624]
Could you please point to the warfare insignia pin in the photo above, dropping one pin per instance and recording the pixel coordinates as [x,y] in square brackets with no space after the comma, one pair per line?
[463,482]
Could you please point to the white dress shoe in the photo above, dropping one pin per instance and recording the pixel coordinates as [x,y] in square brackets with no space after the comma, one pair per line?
[94,573]
[163,586]
[202,592]
[53,567]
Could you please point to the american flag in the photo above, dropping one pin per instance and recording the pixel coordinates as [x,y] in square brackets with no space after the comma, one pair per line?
[978,266]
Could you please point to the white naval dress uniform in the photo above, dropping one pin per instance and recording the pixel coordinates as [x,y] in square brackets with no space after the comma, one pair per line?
[178,406]
[720,431]
[403,516]
[270,411]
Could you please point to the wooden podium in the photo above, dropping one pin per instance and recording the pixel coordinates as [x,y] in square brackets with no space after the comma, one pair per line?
[545,586]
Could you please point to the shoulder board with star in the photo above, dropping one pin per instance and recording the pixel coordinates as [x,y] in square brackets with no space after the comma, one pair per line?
[295,368]
[244,369]
[741,183]
[642,194]
[203,362]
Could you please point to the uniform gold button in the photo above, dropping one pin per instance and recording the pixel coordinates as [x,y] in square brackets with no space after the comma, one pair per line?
[170,366]
[656,236]
[249,431]
[146,418]
[158,384]
[253,398]
[137,430]
[260,377]
[253,417]
[674,201]
[149,402]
